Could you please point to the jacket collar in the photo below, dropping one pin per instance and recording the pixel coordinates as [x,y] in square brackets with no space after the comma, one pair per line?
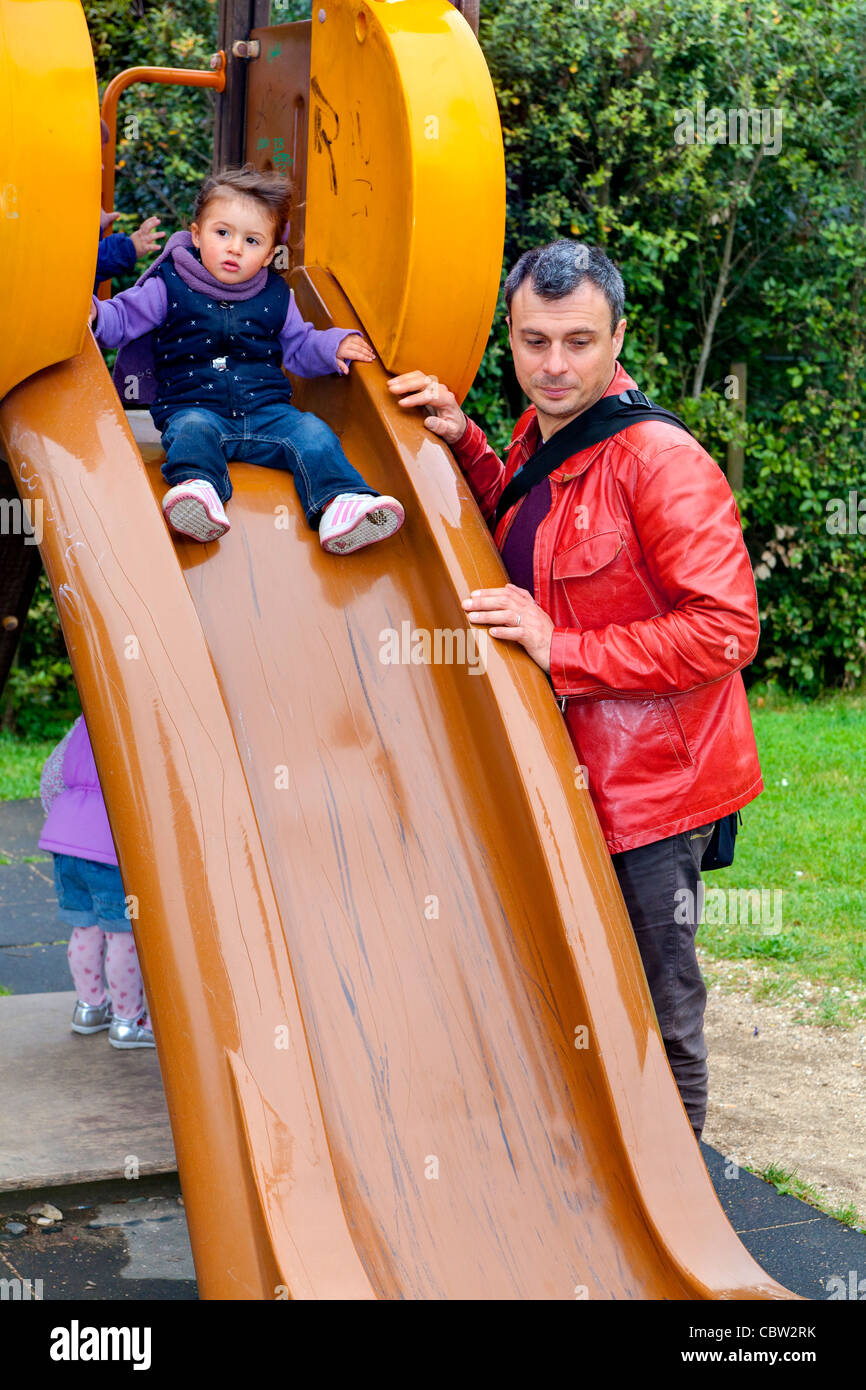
[529,438]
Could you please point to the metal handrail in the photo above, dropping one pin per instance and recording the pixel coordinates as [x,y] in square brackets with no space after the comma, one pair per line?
[181,77]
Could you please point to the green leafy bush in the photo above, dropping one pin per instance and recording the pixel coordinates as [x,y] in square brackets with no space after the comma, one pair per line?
[731,252]
[40,700]
[164,132]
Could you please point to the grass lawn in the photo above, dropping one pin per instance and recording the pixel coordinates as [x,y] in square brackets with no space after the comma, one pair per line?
[789,1184]
[802,838]
[20,766]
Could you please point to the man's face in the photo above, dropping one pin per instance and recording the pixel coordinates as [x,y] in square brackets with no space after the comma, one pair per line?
[564,352]
[235,238]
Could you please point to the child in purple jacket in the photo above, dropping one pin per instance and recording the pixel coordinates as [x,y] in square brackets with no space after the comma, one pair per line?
[206,332]
[91,897]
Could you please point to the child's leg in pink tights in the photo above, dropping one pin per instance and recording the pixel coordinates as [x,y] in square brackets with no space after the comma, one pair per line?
[85,953]
[123,974]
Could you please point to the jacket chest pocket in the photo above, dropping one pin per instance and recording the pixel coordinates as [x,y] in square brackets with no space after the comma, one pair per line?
[600,583]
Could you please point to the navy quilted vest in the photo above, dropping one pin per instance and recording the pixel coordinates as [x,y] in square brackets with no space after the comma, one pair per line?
[224,355]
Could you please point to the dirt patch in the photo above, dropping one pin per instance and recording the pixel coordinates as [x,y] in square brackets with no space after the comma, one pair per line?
[784,1091]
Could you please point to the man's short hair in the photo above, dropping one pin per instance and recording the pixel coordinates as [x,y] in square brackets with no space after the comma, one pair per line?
[555,270]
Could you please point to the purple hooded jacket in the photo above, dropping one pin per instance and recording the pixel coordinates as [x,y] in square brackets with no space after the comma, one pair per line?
[77,822]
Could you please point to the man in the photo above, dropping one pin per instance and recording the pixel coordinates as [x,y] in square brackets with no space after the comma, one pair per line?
[632,588]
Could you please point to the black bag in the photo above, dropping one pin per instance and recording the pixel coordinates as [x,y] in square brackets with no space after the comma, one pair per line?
[719,853]
[601,421]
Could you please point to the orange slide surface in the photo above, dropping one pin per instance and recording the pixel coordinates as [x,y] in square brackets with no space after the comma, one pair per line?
[407,1044]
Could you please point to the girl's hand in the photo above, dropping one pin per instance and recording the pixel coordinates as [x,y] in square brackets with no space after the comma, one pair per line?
[518,618]
[355,348]
[146,238]
[92,315]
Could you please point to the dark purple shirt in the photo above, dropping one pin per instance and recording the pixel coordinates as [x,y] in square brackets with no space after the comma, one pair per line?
[519,548]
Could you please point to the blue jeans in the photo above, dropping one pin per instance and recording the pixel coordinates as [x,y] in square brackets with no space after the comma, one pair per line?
[198,444]
[90,894]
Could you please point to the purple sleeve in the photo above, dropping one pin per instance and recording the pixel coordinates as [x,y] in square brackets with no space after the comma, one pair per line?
[309,351]
[130,314]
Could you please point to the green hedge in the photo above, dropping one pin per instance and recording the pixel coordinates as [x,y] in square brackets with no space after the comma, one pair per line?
[592,97]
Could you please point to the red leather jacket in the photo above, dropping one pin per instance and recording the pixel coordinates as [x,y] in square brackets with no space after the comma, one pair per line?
[641,564]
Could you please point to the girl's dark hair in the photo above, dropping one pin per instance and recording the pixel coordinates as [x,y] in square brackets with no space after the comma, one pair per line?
[271,190]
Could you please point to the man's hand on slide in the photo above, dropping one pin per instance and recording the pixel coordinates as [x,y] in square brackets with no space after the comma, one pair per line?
[516,618]
[445,419]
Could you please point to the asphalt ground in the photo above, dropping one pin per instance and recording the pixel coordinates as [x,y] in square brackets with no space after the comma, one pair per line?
[32,940]
[111,1243]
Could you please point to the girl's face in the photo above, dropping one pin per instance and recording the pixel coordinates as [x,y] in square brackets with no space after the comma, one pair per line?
[235,238]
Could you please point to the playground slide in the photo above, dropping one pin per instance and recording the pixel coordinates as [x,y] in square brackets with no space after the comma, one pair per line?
[406,1041]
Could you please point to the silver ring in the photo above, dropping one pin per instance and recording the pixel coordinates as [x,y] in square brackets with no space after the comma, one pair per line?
[519,619]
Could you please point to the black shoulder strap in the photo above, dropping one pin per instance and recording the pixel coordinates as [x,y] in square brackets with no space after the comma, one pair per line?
[601,421]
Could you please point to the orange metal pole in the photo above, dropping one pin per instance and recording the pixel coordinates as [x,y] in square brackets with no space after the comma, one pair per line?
[181,77]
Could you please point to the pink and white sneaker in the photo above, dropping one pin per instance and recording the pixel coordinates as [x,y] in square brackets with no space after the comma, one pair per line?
[354,520]
[194,509]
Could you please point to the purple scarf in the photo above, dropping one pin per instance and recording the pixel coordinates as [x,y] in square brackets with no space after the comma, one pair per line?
[136,358]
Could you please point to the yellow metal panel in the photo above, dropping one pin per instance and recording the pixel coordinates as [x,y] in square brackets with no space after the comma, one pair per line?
[49,184]
[406,179]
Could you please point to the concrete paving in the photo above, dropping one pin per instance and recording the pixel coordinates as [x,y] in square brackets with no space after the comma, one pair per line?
[74,1108]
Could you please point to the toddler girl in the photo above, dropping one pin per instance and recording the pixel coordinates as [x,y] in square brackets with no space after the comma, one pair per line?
[209,326]
[91,897]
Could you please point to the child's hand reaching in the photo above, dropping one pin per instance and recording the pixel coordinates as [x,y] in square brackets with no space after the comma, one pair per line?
[146,238]
[354,349]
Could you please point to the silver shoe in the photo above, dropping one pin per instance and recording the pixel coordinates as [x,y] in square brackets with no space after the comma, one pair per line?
[91,1018]
[126,1033]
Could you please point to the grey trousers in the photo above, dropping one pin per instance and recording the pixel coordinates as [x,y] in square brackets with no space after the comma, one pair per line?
[660,884]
